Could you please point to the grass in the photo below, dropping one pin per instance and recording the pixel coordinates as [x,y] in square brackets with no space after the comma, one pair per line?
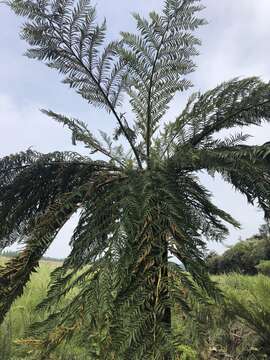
[22,313]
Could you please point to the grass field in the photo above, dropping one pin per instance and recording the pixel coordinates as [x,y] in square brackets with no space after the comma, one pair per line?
[22,312]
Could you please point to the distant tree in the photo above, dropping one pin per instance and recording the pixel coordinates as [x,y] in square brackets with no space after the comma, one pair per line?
[243,257]
[264,230]
[264,267]
[138,206]
[239,258]
[9,253]
[212,260]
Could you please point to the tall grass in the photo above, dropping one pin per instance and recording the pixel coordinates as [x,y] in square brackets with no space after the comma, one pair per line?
[237,328]
[23,313]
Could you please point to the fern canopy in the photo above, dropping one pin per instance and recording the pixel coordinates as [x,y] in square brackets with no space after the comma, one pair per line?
[141,205]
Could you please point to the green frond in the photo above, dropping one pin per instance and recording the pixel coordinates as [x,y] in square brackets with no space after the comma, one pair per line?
[236,103]
[17,271]
[65,36]
[29,183]
[245,167]
[80,132]
[159,56]
[38,195]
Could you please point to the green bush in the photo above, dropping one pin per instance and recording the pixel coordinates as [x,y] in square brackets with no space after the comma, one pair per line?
[187,353]
[243,257]
[264,267]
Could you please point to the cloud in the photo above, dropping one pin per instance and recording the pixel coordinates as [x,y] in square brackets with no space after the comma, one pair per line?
[235,42]
[23,126]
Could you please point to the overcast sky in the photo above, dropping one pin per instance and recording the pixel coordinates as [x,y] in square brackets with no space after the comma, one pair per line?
[236,42]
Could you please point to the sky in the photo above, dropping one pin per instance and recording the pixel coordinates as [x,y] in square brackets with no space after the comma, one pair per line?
[235,43]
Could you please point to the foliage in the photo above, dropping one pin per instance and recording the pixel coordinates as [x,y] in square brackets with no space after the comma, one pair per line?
[264,230]
[22,313]
[244,257]
[235,329]
[264,267]
[186,353]
[249,301]
[11,254]
[141,204]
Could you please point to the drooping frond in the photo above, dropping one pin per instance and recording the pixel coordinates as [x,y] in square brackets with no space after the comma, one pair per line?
[38,195]
[130,216]
[16,273]
[247,168]
[29,183]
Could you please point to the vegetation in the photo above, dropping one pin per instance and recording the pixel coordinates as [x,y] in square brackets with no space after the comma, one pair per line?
[118,287]
[238,328]
[264,267]
[23,313]
[11,254]
[247,257]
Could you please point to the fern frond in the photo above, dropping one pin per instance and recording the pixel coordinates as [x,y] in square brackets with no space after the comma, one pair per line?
[64,35]
[234,103]
[163,43]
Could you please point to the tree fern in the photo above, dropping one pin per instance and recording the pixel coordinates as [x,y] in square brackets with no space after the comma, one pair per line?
[139,206]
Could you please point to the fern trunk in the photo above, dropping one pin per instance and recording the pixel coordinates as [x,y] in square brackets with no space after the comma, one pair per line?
[161,289]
